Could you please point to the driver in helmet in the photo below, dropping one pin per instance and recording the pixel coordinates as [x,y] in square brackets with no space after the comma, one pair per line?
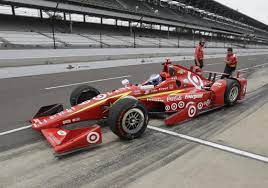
[154,79]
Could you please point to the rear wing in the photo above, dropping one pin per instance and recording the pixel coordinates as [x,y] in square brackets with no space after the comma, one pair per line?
[212,76]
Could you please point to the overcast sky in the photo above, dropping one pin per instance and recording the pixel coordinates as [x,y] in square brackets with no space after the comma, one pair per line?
[257,9]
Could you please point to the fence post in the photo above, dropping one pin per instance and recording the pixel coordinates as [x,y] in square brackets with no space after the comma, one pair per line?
[178,41]
[134,37]
[101,40]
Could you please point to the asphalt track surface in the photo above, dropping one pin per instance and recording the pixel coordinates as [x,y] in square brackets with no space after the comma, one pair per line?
[114,162]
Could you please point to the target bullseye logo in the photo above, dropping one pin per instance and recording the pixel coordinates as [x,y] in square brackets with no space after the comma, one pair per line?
[181,104]
[61,133]
[192,111]
[174,106]
[100,97]
[93,137]
[167,108]
[195,80]
[200,106]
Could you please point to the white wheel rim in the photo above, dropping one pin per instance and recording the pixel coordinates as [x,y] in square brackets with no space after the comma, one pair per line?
[133,121]
[233,94]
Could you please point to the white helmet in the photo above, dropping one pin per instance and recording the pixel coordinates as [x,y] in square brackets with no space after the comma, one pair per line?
[155,79]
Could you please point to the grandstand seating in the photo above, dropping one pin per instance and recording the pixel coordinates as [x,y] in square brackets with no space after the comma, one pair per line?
[103,3]
[144,8]
[64,40]
[26,39]
[74,40]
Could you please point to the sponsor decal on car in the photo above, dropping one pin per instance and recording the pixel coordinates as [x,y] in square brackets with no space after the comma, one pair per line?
[174,106]
[200,106]
[93,137]
[61,133]
[68,121]
[171,86]
[181,71]
[155,100]
[218,84]
[194,96]
[137,92]
[207,102]
[181,104]
[195,80]
[167,108]
[84,103]
[100,97]
[174,98]
[163,89]
[192,111]
[76,120]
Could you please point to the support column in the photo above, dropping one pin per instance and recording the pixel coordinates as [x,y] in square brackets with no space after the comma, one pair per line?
[13,10]
[41,13]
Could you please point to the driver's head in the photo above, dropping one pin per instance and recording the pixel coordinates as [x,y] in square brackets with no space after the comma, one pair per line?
[155,79]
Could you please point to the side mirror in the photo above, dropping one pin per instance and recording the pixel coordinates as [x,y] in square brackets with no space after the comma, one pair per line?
[125,82]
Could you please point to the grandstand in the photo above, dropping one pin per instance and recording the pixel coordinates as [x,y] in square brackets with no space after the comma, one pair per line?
[126,23]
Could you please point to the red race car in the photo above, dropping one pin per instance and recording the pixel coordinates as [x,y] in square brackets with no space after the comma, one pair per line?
[179,92]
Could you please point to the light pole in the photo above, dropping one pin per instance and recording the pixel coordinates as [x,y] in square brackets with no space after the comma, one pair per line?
[53,25]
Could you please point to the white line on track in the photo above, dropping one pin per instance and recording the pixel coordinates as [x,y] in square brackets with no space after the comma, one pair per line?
[93,81]
[15,130]
[253,67]
[213,145]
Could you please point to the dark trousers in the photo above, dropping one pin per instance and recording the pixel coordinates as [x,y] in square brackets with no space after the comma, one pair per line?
[201,62]
[228,70]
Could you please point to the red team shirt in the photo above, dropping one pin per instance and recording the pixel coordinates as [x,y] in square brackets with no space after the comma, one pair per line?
[233,59]
[199,52]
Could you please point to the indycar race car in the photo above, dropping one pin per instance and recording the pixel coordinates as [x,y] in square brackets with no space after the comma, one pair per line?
[178,92]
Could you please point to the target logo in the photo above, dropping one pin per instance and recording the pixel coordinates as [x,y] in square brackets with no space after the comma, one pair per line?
[192,111]
[61,133]
[174,106]
[100,97]
[167,108]
[200,106]
[195,80]
[93,137]
[181,104]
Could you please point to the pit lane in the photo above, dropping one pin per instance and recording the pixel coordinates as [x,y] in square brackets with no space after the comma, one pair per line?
[100,165]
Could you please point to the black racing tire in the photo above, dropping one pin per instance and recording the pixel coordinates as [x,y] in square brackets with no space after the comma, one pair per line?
[128,118]
[82,94]
[232,92]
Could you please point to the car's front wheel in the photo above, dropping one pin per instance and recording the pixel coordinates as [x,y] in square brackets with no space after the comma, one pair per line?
[128,118]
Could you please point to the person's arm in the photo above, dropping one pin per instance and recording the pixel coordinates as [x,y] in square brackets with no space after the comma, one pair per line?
[228,62]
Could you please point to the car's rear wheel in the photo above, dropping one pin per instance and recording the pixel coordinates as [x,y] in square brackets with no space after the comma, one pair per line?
[82,94]
[128,118]
[232,92]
